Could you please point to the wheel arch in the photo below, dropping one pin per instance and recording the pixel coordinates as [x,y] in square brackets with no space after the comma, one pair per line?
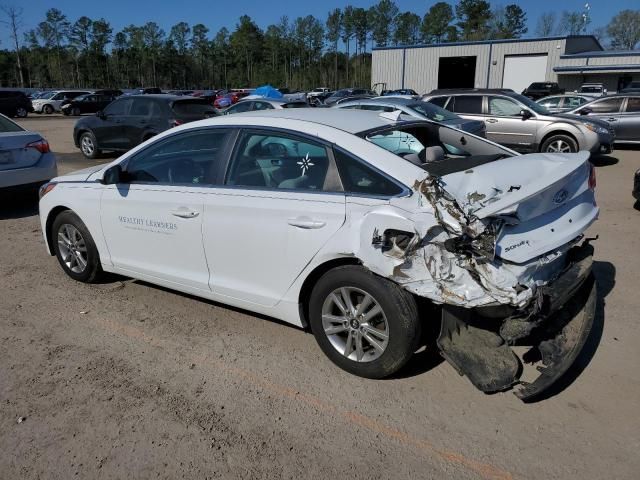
[53,213]
[312,279]
[560,131]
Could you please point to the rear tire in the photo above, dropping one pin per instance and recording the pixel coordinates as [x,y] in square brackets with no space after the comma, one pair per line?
[48,109]
[75,112]
[89,145]
[75,249]
[559,144]
[373,338]
[21,112]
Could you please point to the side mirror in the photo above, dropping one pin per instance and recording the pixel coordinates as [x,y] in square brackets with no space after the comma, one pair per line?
[585,111]
[112,175]
[525,114]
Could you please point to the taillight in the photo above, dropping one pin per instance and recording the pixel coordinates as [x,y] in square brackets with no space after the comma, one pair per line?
[592,178]
[46,188]
[175,123]
[41,145]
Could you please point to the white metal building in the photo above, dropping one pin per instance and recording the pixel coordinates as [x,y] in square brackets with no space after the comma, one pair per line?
[515,64]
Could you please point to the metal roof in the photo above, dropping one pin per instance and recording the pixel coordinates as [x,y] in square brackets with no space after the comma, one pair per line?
[487,42]
[597,68]
[603,53]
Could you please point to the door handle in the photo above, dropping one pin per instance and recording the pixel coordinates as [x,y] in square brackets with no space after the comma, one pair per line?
[491,120]
[184,212]
[612,119]
[306,223]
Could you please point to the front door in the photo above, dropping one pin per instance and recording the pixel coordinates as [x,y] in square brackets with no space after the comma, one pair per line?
[607,109]
[152,221]
[506,126]
[109,129]
[629,121]
[280,205]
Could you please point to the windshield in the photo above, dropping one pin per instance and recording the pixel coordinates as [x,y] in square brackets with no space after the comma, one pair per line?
[530,104]
[590,89]
[433,112]
[47,95]
[431,146]
[81,98]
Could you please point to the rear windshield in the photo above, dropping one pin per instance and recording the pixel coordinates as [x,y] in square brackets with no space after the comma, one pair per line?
[193,108]
[295,105]
[591,89]
[7,125]
[433,112]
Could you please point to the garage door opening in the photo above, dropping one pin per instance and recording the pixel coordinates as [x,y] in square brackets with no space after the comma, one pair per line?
[457,72]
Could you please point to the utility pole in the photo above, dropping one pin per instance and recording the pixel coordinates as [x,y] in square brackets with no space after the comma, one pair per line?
[14,23]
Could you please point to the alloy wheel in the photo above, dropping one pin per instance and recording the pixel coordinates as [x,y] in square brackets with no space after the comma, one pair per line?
[355,324]
[21,112]
[72,247]
[87,146]
[559,146]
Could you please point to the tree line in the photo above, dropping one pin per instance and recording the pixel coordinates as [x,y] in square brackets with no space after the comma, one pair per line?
[300,53]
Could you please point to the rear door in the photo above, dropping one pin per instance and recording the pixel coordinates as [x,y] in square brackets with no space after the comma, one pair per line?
[281,202]
[629,121]
[607,109]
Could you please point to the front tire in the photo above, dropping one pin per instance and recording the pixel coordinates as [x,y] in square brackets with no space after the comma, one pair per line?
[75,112]
[365,324]
[75,249]
[48,109]
[21,112]
[559,144]
[89,146]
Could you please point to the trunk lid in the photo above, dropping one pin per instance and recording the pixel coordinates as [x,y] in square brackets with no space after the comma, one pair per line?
[545,200]
[14,152]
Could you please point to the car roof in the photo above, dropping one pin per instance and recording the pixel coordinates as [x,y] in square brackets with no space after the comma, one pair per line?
[350,121]
[465,91]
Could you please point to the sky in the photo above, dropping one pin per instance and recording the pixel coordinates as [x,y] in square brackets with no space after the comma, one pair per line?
[216,14]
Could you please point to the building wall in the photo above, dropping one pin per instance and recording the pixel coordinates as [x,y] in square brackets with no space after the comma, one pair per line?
[421,69]
[421,63]
[553,49]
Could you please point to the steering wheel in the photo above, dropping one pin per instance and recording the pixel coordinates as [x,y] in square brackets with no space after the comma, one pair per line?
[185,170]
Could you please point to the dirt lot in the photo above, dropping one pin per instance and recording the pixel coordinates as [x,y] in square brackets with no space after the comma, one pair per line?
[125,379]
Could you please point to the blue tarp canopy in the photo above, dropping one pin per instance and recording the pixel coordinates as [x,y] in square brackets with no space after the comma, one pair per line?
[267,91]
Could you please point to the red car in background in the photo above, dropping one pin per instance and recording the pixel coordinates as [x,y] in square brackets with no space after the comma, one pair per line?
[226,98]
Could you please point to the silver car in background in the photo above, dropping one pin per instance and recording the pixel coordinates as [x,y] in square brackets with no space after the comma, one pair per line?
[50,102]
[417,109]
[256,104]
[520,123]
[25,157]
[564,102]
[622,112]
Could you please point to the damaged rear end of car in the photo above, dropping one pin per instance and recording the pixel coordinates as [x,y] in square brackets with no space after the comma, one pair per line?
[498,243]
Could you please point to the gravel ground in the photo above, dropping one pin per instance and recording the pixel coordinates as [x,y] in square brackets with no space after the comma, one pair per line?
[126,379]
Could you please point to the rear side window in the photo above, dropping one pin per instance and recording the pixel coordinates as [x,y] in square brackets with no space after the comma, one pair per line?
[141,107]
[295,105]
[466,104]
[633,104]
[279,162]
[609,105]
[547,102]
[377,108]
[359,178]
[574,102]
[194,108]
[262,106]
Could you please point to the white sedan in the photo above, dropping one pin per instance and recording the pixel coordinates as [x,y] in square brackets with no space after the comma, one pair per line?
[365,228]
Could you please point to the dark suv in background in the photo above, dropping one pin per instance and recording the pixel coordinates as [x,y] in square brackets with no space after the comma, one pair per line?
[14,103]
[131,120]
[542,89]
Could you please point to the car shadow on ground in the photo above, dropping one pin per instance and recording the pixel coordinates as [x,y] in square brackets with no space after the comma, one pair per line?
[603,160]
[605,273]
[18,203]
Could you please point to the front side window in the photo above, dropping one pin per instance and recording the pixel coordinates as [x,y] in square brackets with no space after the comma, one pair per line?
[378,108]
[608,105]
[262,106]
[190,158]
[397,141]
[278,161]
[574,102]
[240,107]
[471,104]
[359,178]
[503,107]
[439,101]
[7,125]
[119,107]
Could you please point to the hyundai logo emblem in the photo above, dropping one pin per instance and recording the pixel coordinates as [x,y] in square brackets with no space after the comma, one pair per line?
[560,196]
